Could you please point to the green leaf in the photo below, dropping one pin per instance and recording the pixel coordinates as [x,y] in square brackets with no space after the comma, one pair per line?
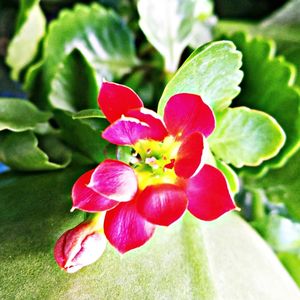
[281,186]
[230,175]
[168,26]
[20,115]
[31,28]
[245,137]
[23,151]
[292,54]
[211,71]
[74,86]
[99,34]
[185,255]
[267,86]
[89,113]
[84,135]
[291,262]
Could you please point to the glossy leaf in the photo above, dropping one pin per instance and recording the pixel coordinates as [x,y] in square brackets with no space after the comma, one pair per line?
[74,86]
[268,86]
[20,115]
[245,137]
[211,71]
[22,50]
[23,151]
[84,135]
[99,34]
[168,26]
[89,113]
[186,255]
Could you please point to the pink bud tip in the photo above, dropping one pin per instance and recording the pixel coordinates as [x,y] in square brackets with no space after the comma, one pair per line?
[79,247]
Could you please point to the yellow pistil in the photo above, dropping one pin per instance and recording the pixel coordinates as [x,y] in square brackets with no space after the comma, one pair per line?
[153,157]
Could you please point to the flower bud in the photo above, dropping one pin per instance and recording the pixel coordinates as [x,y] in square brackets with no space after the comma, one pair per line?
[82,245]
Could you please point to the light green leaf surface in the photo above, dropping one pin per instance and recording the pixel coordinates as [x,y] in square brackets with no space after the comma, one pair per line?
[84,135]
[179,262]
[99,34]
[211,71]
[268,86]
[89,113]
[281,186]
[74,86]
[31,28]
[24,151]
[245,137]
[20,115]
[168,26]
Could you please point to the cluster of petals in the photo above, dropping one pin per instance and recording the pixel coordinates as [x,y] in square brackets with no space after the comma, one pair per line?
[167,173]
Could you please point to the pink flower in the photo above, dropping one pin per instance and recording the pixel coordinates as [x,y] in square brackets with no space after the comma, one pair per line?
[166,174]
[81,246]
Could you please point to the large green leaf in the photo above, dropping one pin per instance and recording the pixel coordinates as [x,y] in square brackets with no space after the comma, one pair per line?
[245,137]
[168,26]
[281,186]
[211,71]
[31,28]
[180,262]
[24,151]
[20,115]
[267,86]
[74,86]
[84,135]
[99,34]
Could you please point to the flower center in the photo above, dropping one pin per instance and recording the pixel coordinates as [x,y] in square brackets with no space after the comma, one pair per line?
[153,161]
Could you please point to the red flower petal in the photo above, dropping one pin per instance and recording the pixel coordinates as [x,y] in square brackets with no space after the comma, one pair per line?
[208,194]
[115,180]
[189,155]
[162,204]
[126,131]
[88,200]
[116,99]
[158,130]
[187,113]
[125,228]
